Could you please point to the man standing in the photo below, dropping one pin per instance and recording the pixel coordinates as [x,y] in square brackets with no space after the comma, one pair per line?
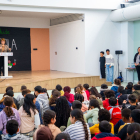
[109,66]
[102,64]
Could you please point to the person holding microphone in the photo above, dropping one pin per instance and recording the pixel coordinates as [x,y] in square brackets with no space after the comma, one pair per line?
[3,48]
[137,62]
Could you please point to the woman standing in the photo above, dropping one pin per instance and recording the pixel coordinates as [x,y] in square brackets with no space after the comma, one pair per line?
[137,62]
[3,48]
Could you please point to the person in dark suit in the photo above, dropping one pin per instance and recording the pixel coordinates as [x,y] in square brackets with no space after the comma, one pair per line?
[137,62]
[102,64]
[3,48]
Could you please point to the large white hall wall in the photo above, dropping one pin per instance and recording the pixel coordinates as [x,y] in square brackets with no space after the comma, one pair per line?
[64,39]
[24,22]
[100,34]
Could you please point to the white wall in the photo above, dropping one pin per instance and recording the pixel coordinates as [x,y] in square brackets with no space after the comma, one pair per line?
[64,39]
[24,22]
[100,34]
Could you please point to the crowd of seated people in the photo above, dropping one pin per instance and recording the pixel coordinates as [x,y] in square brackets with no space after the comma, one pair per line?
[111,114]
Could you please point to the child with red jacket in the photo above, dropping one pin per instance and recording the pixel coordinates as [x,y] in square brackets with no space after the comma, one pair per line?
[108,94]
[115,111]
[86,89]
[105,129]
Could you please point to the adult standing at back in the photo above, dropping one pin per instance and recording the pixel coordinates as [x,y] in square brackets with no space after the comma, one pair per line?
[109,66]
[137,62]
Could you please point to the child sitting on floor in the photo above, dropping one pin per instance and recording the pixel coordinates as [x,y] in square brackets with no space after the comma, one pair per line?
[104,87]
[105,129]
[114,110]
[117,83]
[86,89]
[103,115]
[12,129]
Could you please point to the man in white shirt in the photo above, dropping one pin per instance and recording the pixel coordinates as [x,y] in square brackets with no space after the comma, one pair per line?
[109,66]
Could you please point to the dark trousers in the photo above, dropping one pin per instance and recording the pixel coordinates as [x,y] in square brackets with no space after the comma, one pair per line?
[102,69]
[2,65]
[138,72]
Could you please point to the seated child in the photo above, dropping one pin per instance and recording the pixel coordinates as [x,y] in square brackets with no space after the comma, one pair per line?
[59,88]
[24,93]
[44,133]
[134,117]
[114,110]
[76,105]
[62,136]
[94,91]
[103,115]
[133,131]
[86,89]
[79,130]
[69,96]
[132,101]
[125,117]
[117,83]
[20,96]
[108,94]
[12,129]
[129,88]
[123,96]
[80,98]
[136,90]
[92,114]
[104,87]
[105,129]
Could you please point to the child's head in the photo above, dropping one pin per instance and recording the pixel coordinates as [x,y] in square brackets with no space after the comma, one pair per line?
[10,93]
[105,126]
[136,87]
[77,115]
[9,88]
[121,90]
[132,99]
[12,127]
[79,97]
[92,97]
[78,90]
[62,136]
[25,92]
[8,102]
[59,87]
[101,53]
[104,115]
[80,86]
[126,115]
[44,133]
[117,82]
[104,86]
[55,96]
[112,101]
[54,91]
[135,116]
[86,87]
[76,105]
[109,93]
[23,87]
[38,90]
[129,85]
[94,104]
[49,117]
[94,91]
[133,131]
[107,51]
[67,89]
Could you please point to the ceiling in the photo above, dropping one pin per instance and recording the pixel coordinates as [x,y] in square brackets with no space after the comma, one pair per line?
[32,14]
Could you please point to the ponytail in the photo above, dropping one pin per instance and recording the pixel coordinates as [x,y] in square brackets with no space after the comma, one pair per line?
[78,114]
[8,102]
[133,131]
[134,136]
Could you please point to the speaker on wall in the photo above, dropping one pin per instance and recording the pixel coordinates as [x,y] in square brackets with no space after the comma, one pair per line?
[118,52]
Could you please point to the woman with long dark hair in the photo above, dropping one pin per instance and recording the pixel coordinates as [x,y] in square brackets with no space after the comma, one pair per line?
[79,130]
[29,116]
[137,62]
[62,110]
[8,113]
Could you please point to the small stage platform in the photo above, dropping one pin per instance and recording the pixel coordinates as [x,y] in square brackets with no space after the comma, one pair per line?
[48,79]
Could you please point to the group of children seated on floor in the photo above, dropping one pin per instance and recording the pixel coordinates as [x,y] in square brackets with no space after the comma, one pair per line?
[112,114]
